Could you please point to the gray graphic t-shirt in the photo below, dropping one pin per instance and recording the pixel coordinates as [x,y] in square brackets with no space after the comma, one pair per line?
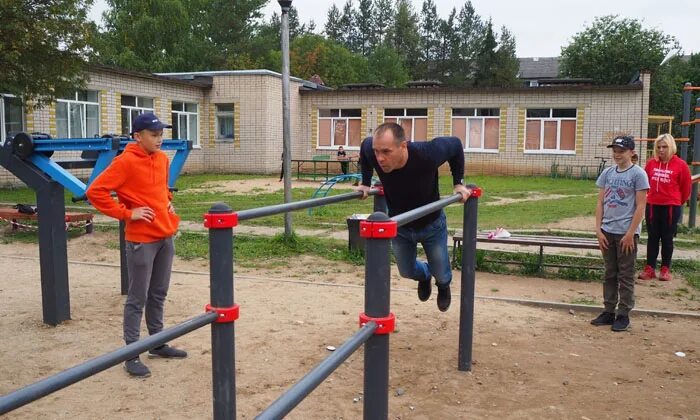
[620,196]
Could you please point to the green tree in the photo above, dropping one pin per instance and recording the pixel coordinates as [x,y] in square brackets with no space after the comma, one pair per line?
[348,26]
[332,29]
[404,35]
[385,15]
[612,49]
[365,27]
[487,59]
[430,25]
[469,35]
[446,59]
[386,67]
[44,47]
[507,65]
[666,94]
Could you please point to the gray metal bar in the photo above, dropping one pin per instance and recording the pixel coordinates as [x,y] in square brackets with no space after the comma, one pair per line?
[377,304]
[414,214]
[468,285]
[298,205]
[84,370]
[223,343]
[294,395]
[692,213]
[123,267]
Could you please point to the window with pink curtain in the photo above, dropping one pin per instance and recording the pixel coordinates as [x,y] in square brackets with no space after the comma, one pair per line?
[340,129]
[324,132]
[568,135]
[532,135]
[475,133]
[491,133]
[421,129]
[354,132]
[407,125]
[459,129]
[550,135]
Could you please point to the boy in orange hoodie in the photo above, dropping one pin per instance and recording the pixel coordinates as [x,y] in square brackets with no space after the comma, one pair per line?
[139,176]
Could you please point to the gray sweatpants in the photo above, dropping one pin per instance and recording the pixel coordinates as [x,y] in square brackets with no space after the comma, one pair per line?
[619,275]
[149,266]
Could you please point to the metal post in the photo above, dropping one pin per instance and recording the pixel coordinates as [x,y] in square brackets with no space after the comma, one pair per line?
[692,214]
[286,123]
[466,307]
[220,221]
[53,253]
[380,199]
[122,259]
[377,301]
[685,129]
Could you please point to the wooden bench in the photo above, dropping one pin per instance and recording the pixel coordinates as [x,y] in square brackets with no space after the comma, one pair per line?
[12,215]
[541,241]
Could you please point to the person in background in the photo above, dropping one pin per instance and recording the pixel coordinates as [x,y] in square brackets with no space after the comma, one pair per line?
[139,176]
[343,158]
[669,180]
[618,218]
[409,174]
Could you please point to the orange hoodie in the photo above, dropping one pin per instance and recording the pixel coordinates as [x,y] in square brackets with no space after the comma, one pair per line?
[140,180]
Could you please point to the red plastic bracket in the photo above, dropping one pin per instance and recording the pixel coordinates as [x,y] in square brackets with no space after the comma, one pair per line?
[476,192]
[220,220]
[370,229]
[380,189]
[225,314]
[385,325]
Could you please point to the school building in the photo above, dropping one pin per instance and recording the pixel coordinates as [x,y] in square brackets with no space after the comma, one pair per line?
[234,118]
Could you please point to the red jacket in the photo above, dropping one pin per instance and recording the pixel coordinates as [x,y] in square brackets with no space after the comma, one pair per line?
[140,180]
[669,183]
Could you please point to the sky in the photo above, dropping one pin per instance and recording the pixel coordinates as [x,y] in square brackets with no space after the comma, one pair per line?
[540,27]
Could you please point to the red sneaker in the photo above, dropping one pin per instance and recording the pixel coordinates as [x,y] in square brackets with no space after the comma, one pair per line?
[648,274]
[665,274]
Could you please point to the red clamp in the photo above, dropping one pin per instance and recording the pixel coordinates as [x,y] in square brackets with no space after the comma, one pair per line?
[225,314]
[370,229]
[476,192]
[220,220]
[385,325]
[380,189]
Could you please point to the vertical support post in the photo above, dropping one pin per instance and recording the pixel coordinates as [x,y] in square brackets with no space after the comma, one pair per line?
[685,129]
[220,220]
[380,199]
[286,123]
[466,301]
[377,301]
[692,214]
[122,259]
[53,253]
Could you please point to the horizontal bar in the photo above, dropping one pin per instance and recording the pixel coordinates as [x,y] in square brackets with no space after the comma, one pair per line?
[409,216]
[299,205]
[47,145]
[77,373]
[294,395]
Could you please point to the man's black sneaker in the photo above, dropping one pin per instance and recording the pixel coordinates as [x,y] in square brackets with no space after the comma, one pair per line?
[605,318]
[444,298]
[167,352]
[424,290]
[136,368]
[622,323]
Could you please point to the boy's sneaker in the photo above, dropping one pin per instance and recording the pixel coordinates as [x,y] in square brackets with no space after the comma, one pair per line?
[137,369]
[444,298]
[167,352]
[622,323]
[665,274]
[605,318]
[424,290]
[648,273]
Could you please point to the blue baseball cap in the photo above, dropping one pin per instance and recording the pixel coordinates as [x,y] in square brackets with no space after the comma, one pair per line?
[626,142]
[148,121]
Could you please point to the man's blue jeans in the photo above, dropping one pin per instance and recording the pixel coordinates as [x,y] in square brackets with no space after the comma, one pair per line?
[433,237]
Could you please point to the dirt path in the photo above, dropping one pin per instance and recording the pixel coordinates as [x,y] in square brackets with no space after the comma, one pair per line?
[529,362]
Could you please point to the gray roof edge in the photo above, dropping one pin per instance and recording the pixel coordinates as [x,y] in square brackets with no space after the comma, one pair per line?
[258,72]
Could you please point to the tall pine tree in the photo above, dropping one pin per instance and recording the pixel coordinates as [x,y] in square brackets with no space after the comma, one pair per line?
[429,42]
[404,36]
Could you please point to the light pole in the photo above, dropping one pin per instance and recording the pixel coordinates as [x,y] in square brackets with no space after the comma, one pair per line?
[286,124]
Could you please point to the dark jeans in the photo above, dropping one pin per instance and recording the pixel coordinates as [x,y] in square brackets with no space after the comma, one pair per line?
[618,286]
[662,223]
[149,266]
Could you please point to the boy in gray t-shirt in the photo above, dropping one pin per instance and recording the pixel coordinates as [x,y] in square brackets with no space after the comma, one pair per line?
[619,213]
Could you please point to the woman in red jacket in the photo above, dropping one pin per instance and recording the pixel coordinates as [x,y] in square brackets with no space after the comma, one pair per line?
[669,188]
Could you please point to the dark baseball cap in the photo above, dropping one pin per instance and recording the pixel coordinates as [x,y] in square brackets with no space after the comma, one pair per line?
[626,142]
[148,121]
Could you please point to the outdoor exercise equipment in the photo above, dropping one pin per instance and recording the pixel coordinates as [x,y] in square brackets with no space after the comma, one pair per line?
[377,322]
[688,90]
[29,158]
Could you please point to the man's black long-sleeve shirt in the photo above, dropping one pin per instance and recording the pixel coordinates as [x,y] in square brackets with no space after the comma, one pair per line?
[416,184]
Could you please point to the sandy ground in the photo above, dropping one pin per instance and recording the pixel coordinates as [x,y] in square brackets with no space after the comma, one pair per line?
[529,362]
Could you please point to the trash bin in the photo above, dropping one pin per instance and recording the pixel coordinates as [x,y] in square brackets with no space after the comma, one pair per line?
[355,241]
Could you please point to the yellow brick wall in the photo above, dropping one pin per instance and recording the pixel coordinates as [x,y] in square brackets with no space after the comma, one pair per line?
[579,130]
[52,120]
[521,130]
[118,111]
[314,127]
[448,122]
[29,117]
[431,123]
[363,124]
[212,126]
[380,116]
[104,112]
[502,124]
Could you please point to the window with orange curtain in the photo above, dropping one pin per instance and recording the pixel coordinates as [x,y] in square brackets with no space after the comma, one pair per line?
[550,130]
[477,128]
[339,127]
[413,120]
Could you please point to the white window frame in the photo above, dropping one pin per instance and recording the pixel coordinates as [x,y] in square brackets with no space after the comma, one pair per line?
[225,114]
[139,108]
[413,119]
[333,120]
[83,105]
[558,120]
[3,129]
[482,119]
[180,114]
